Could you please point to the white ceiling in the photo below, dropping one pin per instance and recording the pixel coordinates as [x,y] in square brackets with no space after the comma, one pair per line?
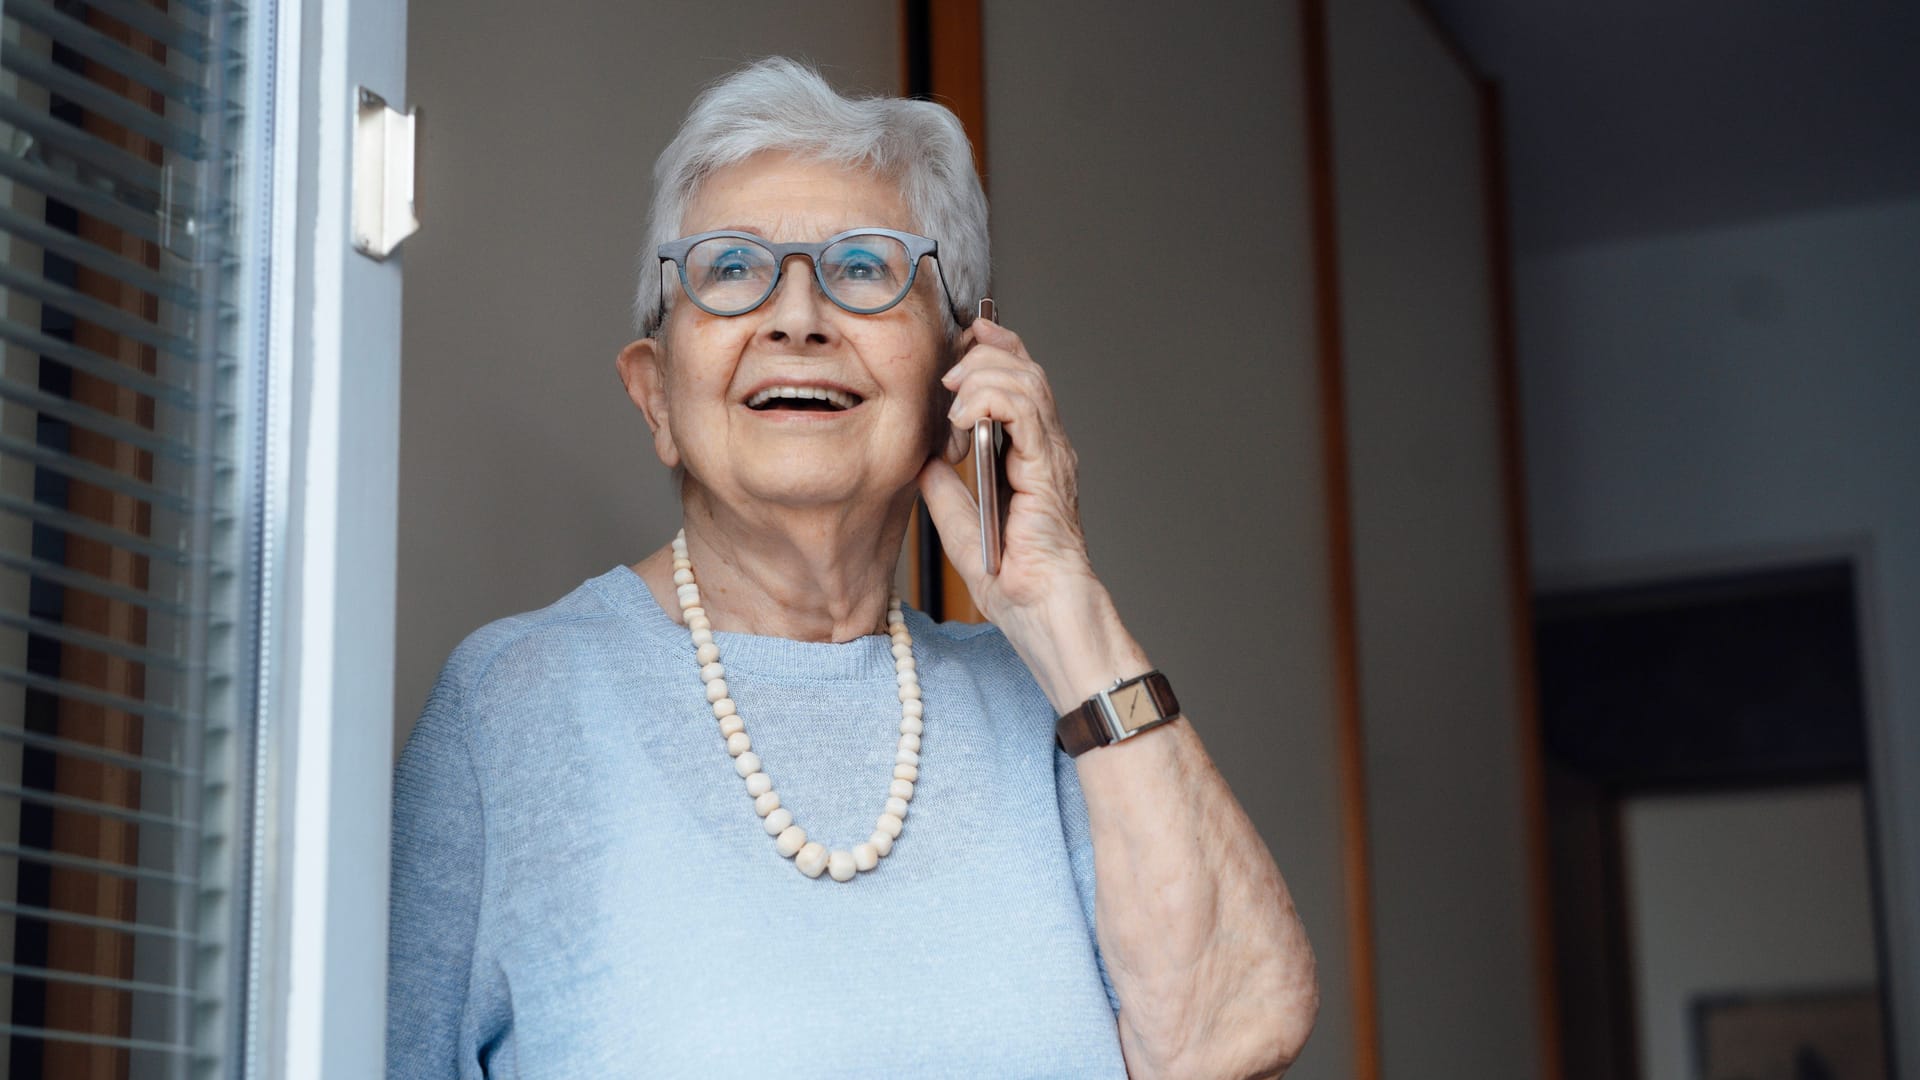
[1636,117]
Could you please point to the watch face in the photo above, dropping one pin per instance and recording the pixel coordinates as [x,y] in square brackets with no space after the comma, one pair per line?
[1133,707]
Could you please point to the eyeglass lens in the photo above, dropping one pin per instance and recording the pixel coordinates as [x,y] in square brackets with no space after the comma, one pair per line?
[731,275]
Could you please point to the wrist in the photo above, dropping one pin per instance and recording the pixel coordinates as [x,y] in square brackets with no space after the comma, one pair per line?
[1076,646]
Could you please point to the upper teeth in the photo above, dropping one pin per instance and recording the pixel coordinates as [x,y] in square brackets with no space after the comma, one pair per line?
[839,398]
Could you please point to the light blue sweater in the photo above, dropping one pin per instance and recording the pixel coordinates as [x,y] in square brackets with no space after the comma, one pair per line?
[581,887]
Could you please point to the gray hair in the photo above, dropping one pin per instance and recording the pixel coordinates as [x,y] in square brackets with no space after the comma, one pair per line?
[780,104]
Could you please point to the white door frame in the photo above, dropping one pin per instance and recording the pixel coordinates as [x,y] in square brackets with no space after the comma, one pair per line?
[327,693]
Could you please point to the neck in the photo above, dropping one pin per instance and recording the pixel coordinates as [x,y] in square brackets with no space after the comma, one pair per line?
[806,574]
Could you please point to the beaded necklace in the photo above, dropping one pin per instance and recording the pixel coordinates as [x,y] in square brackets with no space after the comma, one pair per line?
[790,840]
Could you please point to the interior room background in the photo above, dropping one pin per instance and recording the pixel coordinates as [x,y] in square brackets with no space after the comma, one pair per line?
[1524,303]
[1525,397]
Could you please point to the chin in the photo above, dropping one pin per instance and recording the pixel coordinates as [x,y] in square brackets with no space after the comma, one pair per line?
[825,485]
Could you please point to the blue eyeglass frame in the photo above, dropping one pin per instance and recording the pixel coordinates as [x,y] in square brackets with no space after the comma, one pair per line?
[675,252]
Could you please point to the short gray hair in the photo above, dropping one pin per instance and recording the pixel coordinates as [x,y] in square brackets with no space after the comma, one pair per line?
[781,104]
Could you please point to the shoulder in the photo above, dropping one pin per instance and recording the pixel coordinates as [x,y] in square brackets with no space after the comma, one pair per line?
[530,647]
[982,651]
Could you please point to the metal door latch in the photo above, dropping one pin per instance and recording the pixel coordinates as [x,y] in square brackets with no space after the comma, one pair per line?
[382,176]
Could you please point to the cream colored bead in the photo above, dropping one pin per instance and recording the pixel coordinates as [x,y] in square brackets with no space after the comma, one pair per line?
[791,839]
[812,858]
[840,865]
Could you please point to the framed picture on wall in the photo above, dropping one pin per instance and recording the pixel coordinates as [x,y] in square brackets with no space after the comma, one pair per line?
[1815,1035]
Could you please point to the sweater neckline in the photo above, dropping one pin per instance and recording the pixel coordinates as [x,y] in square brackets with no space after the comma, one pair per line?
[867,657]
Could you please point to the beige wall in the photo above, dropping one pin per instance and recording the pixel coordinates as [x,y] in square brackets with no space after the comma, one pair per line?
[523,468]
[1450,876]
[1185,372]
[1742,892]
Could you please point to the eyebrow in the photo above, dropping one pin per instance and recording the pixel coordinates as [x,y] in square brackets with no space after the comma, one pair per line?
[822,236]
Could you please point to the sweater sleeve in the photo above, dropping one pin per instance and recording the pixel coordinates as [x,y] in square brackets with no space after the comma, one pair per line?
[439,851]
[1079,834]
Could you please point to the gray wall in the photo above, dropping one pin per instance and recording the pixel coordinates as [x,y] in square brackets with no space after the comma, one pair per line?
[1438,672]
[1744,396]
[523,467]
[1186,376]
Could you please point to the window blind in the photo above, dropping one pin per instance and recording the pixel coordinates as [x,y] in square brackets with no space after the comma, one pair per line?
[130,442]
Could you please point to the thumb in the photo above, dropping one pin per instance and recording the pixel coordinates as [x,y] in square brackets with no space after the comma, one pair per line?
[956,517]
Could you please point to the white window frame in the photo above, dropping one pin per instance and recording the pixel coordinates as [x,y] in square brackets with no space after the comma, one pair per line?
[319,989]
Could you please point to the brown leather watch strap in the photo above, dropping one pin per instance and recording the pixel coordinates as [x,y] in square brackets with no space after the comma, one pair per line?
[1083,729]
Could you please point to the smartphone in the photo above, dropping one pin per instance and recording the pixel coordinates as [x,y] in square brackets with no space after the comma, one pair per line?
[990,476]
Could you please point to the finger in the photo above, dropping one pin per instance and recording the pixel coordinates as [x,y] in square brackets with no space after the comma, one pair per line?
[984,356]
[959,441]
[956,517]
[992,333]
[1009,398]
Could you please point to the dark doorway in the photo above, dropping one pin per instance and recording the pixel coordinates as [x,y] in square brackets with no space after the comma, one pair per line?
[1651,693]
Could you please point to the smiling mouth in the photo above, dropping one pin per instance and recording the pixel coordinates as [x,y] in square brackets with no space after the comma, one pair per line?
[802,399]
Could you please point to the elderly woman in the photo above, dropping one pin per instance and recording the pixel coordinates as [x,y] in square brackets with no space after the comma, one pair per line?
[733,810]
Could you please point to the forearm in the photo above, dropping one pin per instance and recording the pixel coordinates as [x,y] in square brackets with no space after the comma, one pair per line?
[1210,961]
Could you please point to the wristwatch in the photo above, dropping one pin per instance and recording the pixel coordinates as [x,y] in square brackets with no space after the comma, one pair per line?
[1121,711]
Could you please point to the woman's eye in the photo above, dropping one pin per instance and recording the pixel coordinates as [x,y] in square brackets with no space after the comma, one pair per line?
[732,265]
[861,266]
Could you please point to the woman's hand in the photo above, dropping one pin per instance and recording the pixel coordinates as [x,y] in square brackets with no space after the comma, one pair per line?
[1044,547]
[1045,597]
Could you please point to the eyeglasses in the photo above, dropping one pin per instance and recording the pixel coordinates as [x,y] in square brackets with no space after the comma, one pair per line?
[865,271]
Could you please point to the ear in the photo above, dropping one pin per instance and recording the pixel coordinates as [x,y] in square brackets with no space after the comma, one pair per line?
[642,367]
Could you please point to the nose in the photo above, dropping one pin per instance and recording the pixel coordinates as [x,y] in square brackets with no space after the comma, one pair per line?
[797,310]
